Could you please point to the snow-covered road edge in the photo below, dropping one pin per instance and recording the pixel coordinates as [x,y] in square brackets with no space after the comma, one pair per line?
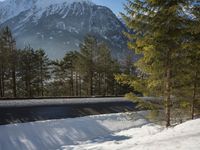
[101,132]
[54,133]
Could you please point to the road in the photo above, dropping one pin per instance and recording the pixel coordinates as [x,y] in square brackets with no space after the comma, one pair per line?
[20,111]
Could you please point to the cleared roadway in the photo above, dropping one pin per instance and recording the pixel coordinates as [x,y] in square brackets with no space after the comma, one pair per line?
[20,111]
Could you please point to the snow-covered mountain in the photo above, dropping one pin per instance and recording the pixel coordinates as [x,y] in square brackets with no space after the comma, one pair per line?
[12,8]
[60,25]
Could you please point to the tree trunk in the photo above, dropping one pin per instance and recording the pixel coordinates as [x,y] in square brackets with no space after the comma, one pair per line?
[72,83]
[2,81]
[168,102]
[1,94]
[194,97]
[80,83]
[114,88]
[28,85]
[104,85]
[42,88]
[14,81]
[76,84]
[30,89]
[99,85]
[91,84]
[13,68]
[41,80]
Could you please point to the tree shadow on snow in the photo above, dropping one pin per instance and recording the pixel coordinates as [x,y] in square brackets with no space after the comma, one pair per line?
[53,134]
[109,138]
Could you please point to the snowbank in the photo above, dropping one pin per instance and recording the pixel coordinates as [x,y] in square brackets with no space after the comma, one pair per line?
[148,137]
[53,134]
[102,132]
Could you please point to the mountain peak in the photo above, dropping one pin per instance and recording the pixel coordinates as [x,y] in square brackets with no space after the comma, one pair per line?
[60,25]
[47,3]
[12,8]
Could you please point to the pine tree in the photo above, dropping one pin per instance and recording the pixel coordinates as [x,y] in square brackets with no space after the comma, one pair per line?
[196,62]
[43,72]
[128,67]
[104,67]
[87,61]
[157,29]
[192,50]
[55,88]
[28,72]
[2,61]
[70,64]
[8,50]
[65,74]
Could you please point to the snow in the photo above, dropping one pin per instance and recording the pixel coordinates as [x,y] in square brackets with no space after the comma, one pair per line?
[61,25]
[72,29]
[12,8]
[47,3]
[102,132]
[51,38]
[57,133]
[148,137]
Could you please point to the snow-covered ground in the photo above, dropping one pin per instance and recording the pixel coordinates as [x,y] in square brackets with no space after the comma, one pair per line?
[103,132]
[147,137]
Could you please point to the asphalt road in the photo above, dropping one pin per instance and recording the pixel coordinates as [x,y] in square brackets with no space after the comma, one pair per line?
[21,111]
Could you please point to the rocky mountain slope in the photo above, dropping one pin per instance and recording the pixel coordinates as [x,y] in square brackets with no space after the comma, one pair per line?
[59,26]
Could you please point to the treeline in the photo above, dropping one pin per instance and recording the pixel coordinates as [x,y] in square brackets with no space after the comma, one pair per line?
[88,72]
[167,36]
[30,73]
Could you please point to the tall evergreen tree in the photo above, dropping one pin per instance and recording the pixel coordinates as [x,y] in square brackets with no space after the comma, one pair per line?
[157,35]
[2,64]
[87,61]
[192,50]
[69,62]
[58,87]
[65,73]
[43,72]
[8,50]
[28,72]
[104,67]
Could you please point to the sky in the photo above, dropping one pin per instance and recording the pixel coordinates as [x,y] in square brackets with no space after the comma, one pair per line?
[115,5]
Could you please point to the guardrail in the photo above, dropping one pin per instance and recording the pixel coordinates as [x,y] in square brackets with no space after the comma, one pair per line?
[58,97]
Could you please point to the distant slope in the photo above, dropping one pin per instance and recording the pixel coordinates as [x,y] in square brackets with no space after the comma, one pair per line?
[59,26]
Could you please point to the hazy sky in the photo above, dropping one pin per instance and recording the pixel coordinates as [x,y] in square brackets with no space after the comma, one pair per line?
[115,5]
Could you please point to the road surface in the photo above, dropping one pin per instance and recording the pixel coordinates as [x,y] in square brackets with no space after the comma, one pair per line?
[20,111]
